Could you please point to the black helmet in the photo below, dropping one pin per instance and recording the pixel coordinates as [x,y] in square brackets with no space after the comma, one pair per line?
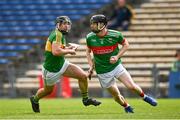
[62,19]
[99,19]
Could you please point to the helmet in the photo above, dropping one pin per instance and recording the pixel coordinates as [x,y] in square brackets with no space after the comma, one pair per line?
[63,19]
[101,22]
[98,18]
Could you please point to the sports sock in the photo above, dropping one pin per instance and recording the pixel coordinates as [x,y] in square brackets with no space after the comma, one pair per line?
[125,104]
[36,99]
[84,95]
[142,94]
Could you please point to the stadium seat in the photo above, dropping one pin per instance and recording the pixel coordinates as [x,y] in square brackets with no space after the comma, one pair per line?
[20,41]
[55,7]
[4,61]
[10,55]
[15,47]
[15,15]
[15,2]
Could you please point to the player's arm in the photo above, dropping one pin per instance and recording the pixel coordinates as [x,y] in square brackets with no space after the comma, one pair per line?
[89,58]
[57,50]
[90,61]
[125,45]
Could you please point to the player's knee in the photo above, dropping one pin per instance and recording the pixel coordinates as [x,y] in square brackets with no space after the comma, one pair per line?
[83,77]
[48,91]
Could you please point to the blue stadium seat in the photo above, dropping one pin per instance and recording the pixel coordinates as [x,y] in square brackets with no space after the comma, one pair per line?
[24,2]
[23,18]
[3,34]
[4,29]
[4,61]
[45,33]
[39,17]
[26,23]
[45,12]
[15,47]
[6,23]
[21,41]
[55,7]
[9,54]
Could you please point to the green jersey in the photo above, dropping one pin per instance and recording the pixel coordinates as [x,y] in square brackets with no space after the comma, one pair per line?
[103,48]
[176,66]
[54,63]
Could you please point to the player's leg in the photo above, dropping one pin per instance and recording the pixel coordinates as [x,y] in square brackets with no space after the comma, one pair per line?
[126,79]
[50,79]
[108,82]
[76,72]
[114,91]
[42,92]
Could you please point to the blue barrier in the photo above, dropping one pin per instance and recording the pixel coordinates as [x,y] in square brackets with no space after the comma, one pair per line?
[174,85]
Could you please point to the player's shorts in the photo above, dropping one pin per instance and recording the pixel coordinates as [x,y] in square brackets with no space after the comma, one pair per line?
[51,78]
[108,79]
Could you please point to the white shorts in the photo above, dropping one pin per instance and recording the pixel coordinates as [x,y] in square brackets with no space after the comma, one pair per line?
[108,79]
[51,78]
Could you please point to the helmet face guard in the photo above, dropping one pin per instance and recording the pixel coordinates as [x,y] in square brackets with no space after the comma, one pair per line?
[63,20]
[97,27]
[98,23]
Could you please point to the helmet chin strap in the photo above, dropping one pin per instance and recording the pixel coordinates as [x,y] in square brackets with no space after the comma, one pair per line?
[62,31]
[57,26]
[99,28]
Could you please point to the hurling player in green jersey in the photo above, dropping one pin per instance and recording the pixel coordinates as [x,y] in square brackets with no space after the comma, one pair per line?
[176,64]
[103,43]
[55,65]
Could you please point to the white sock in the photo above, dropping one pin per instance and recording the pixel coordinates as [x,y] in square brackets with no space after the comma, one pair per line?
[144,96]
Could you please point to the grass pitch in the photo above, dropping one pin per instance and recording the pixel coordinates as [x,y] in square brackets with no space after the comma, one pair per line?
[73,109]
